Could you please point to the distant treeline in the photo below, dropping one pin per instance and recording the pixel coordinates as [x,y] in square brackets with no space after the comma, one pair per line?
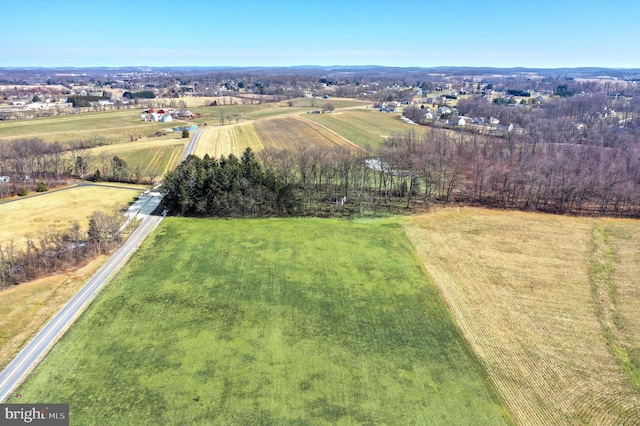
[28,163]
[145,94]
[79,101]
[517,92]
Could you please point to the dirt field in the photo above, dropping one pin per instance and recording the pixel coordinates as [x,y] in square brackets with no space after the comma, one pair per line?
[529,294]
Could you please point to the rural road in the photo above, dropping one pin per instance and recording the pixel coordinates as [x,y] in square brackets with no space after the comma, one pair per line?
[191,146]
[41,344]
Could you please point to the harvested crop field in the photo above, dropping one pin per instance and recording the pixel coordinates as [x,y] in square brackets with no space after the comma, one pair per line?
[150,156]
[225,140]
[298,133]
[549,304]
[26,308]
[99,127]
[363,127]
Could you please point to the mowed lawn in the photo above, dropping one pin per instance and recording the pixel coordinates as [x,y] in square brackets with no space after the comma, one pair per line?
[297,321]
[549,303]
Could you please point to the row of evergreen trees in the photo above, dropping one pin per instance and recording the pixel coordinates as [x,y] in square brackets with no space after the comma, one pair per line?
[229,186]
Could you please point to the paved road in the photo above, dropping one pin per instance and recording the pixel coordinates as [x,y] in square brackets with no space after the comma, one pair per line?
[35,350]
[191,146]
[42,343]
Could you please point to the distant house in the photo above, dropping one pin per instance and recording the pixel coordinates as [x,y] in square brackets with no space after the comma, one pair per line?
[5,179]
[35,105]
[388,107]
[503,129]
[444,110]
[182,113]
[493,120]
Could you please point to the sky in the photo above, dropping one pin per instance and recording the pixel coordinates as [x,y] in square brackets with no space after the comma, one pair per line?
[405,33]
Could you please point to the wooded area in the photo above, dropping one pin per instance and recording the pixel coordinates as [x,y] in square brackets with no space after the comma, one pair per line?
[414,169]
[52,251]
[227,187]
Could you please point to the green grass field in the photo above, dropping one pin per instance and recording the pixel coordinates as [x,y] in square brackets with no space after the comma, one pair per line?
[297,321]
[158,155]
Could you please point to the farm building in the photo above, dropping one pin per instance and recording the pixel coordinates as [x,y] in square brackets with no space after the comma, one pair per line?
[182,114]
[505,128]
[189,128]
[156,116]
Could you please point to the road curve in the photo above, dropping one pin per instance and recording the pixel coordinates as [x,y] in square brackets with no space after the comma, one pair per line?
[40,345]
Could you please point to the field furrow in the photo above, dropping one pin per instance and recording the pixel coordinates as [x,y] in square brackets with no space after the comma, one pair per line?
[225,140]
[298,133]
[518,286]
[363,127]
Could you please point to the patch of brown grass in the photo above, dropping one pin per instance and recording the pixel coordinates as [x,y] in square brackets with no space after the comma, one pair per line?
[26,308]
[59,209]
[519,286]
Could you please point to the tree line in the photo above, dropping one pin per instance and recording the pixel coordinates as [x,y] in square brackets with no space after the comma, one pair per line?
[507,173]
[415,170]
[32,164]
[52,250]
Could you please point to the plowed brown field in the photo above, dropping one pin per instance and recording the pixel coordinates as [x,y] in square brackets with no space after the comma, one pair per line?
[532,297]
